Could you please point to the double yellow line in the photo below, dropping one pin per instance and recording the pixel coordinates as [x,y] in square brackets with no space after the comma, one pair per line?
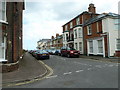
[48,69]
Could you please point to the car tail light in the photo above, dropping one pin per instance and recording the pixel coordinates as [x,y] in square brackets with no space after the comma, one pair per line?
[71,52]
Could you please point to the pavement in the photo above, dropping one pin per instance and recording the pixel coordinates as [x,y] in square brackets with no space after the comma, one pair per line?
[104,59]
[29,70]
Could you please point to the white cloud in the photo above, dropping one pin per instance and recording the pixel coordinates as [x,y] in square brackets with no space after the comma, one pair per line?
[44,18]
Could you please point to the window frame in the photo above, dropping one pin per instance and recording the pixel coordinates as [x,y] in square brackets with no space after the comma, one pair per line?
[117,23]
[66,27]
[71,24]
[77,21]
[89,29]
[100,47]
[75,34]
[117,44]
[3,11]
[90,46]
[80,34]
[80,46]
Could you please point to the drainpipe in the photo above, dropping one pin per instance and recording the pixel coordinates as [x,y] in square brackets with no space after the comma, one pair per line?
[108,44]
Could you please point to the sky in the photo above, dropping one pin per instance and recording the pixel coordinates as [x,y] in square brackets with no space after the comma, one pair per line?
[44,18]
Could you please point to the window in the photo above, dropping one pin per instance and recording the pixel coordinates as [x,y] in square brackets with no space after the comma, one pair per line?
[66,27]
[118,44]
[71,24]
[76,47]
[80,46]
[97,27]
[78,21]
[80,32]
[91,46]
[116,23]
[75,33]
[89,29]
[66,36]
[3,10]
[100,46]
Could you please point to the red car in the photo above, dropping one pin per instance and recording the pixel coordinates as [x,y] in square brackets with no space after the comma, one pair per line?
[69,52]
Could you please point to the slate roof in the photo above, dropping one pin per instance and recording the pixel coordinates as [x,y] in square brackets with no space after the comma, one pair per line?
[100,17]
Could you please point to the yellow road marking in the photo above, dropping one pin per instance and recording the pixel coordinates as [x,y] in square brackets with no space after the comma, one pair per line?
[31,81]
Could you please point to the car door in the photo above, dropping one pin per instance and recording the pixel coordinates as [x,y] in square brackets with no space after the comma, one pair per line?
[63,51]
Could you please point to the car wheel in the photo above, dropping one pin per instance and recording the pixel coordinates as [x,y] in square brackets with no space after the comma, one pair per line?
[48,58]
[78,56]
[68,55]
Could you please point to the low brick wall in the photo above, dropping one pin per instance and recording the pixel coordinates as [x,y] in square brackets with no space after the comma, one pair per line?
[10,67]
[117,53]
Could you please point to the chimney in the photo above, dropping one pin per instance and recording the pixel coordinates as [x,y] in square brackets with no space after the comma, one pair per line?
[52,37]
[92,8]
[57,35]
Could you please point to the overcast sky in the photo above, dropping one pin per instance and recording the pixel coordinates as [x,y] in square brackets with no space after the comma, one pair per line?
[44,18]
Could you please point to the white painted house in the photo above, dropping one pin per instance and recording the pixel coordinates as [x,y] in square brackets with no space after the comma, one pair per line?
[2,36]
[101,35]
[110,27]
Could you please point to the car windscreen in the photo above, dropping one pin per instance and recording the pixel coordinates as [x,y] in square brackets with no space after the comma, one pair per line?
[70,48]
[42,51]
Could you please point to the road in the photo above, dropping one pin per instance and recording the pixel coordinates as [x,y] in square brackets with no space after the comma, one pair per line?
[77,73]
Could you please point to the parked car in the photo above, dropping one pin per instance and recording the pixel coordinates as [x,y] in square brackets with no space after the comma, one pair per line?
[42,54]
[34,53]
[69,52]
[52,52]
[57,52]
[48,50]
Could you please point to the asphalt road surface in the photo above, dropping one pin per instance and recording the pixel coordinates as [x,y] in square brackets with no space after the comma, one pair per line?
[77,73]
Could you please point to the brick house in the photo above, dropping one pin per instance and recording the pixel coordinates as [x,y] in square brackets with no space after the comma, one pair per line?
[101,35]
[73,31]
[12,34]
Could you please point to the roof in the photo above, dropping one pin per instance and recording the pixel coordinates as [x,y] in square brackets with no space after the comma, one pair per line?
[85,12]
[44,40]
[100,17]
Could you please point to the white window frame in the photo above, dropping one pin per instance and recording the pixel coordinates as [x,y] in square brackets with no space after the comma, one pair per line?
[90,47]
[100,47]
[76,46]
[67,36]
[116,23]
[117,44]
[75,34]
[80,46]
[71,24]
[80,32]
[3,18]
[66,27]
[89,29]
[78,21]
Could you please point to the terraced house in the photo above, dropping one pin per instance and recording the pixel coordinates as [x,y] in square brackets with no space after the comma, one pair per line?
[11,33]
[73,30]
[101,35]
[93,34]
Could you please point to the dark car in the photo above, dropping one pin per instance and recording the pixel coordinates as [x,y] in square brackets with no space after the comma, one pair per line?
[57,52]
[42,54]
[69,52]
